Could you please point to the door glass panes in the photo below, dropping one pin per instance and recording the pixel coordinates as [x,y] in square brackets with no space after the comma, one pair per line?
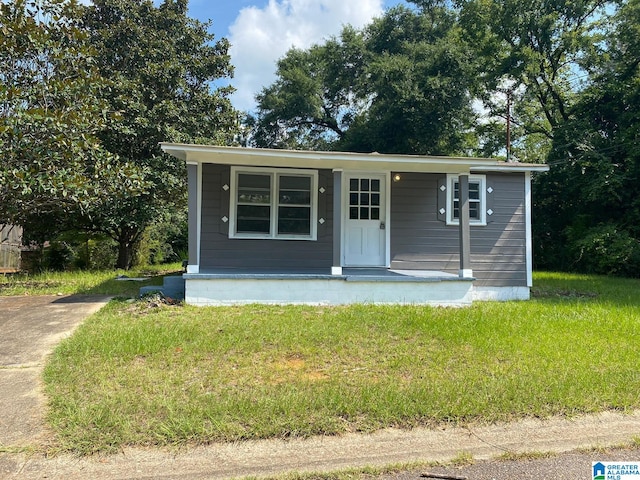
[294,205]
[364,199]
[253,203]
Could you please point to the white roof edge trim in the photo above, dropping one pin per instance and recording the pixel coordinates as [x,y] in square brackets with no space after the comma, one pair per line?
[182,151]
[519,167]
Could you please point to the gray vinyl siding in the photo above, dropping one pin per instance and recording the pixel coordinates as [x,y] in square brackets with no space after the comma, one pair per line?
[217,250]
[421,240]
[192,177]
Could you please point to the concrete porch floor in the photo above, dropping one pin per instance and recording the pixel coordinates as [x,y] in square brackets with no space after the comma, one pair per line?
[353,273]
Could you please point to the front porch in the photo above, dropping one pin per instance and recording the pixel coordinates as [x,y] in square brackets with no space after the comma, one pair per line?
[320,287]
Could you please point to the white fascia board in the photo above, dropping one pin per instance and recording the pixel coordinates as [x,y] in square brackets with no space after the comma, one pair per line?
[332,160]
[511,168]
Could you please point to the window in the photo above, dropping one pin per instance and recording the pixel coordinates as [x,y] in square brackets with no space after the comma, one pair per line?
[273,203]
[477,200]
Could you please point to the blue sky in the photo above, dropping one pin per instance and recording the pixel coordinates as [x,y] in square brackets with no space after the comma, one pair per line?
[224,13]
[261,31]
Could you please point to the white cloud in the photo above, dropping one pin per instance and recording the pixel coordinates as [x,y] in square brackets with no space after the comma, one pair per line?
[260,36]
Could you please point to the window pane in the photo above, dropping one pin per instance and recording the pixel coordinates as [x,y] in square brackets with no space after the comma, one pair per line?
[353,213]
[353,199]
[364,199]
[294,190]
[252,196]
[254,181]
[474,211]
[474,191]
[295,197]
[364,184]
[364,213]
[254,188]
[375,185]
[295,182]
[353,184]
[253,219]
[375,199]
[294,220]
[375,214]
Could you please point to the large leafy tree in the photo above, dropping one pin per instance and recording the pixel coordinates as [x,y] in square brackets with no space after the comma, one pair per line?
[50,112]
[591,196]
[313,101]
[401,85]
[162,65]
[418,80]
[537,52]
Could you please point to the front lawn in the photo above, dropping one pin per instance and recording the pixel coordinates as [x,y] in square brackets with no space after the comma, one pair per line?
[85,282]
[146,373]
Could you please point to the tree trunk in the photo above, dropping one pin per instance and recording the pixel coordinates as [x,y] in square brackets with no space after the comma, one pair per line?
[127,241]
[125,256]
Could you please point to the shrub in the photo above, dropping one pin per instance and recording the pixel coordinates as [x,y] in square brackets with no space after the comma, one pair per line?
[606,249]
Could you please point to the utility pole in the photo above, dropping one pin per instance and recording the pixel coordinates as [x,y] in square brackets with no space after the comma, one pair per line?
[508,92]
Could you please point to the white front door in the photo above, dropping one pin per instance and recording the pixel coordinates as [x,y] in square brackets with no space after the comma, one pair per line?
[365,221]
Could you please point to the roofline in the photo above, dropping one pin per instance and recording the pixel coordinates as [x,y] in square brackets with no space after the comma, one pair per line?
[192,153]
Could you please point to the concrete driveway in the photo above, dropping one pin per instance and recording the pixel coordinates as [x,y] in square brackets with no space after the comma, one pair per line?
[30,326]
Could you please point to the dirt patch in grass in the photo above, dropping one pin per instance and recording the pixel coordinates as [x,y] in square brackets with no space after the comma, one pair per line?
[561,294]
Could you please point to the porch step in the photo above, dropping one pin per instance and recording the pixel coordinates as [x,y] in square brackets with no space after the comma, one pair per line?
[172,286]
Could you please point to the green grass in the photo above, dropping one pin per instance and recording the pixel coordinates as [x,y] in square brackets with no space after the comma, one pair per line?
[137,374]
[84,282]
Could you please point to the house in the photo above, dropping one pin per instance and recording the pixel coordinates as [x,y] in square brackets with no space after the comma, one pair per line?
[278,226]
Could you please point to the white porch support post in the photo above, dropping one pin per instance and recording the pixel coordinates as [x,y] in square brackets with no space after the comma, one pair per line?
[465,231]
[529,234]
[194,182]
[336,268]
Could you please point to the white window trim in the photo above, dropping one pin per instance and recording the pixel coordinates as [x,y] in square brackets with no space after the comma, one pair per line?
[274,173]
[482,179]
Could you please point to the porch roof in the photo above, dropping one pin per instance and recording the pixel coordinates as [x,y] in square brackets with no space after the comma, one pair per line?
[196,154]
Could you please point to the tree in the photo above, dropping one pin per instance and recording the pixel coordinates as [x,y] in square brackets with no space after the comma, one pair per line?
[313,102]
[52,163]
[418,78]
[401,85]
[592,196]
[161,65]
[537,50]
